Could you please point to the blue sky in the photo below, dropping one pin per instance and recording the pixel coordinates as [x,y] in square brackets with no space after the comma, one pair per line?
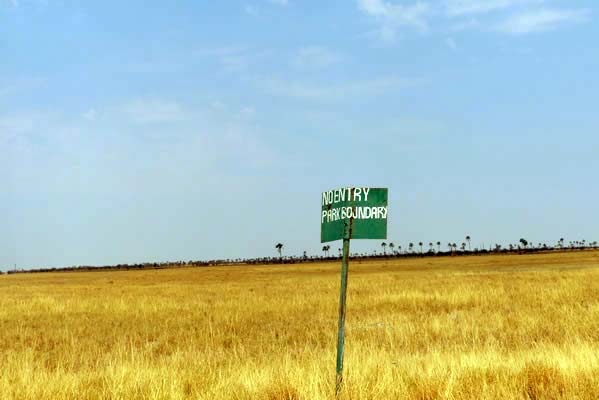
[151,131]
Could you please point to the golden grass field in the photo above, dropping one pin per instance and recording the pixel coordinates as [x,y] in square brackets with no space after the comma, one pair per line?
[480,327]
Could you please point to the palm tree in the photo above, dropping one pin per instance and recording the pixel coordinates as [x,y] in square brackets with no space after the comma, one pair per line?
[279,247]
[384,246]
[561,242]
[399,249]
[438,247]
[325,249]
[430,244]
[468,240]
[391,246]
[463,247]
[411,246]
[420,244]
[524,242]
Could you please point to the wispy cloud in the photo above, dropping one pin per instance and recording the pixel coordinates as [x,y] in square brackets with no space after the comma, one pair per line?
[90,114]
[15,125]
[25,3]
[455,8]
[465,25]
[251,10]
[334,92]
[11,126]
[542,20]
[149,111]
[257,10]
[315,57]
[222,51]
[231,113]
[392,16]
[19,85]
[520,16]
[231,58]
[451,43]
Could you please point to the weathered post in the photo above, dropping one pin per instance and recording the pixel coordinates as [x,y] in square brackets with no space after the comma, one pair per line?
[342,309]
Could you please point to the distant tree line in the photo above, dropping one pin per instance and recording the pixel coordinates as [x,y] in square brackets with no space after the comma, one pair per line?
[389,250]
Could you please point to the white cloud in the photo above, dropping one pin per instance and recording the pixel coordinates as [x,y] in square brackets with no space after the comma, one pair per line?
[25,3]
[451,43]
[456,8]
[392,17]
[234,62]
[315,57]
[220,51]
[20,124]
[231,58]
[542,20]
[217,105]
[255,11]
[459,15]
[18,85]
[465,25]
[247,112]
[148,111]
[373,7]
[250,10]
[230,112]
[89,115]
[333,92]
[14,125]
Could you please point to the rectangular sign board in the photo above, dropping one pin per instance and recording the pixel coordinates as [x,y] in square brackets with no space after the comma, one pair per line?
[362,210]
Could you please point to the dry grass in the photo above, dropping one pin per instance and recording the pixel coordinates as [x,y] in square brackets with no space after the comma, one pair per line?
[494,327]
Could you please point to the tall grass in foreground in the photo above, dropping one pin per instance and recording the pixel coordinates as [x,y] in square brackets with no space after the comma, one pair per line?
[494,327]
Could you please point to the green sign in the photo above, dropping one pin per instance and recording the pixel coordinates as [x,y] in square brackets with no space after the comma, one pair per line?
[358,212]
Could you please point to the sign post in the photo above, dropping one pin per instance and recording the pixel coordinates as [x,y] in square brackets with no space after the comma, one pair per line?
[342,308]
[351,213]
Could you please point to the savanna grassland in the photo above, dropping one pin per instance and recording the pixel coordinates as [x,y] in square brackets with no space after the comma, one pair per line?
[480,327]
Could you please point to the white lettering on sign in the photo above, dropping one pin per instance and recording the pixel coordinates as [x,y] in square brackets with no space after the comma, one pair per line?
[337,214]
[358,194]
[343,194]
